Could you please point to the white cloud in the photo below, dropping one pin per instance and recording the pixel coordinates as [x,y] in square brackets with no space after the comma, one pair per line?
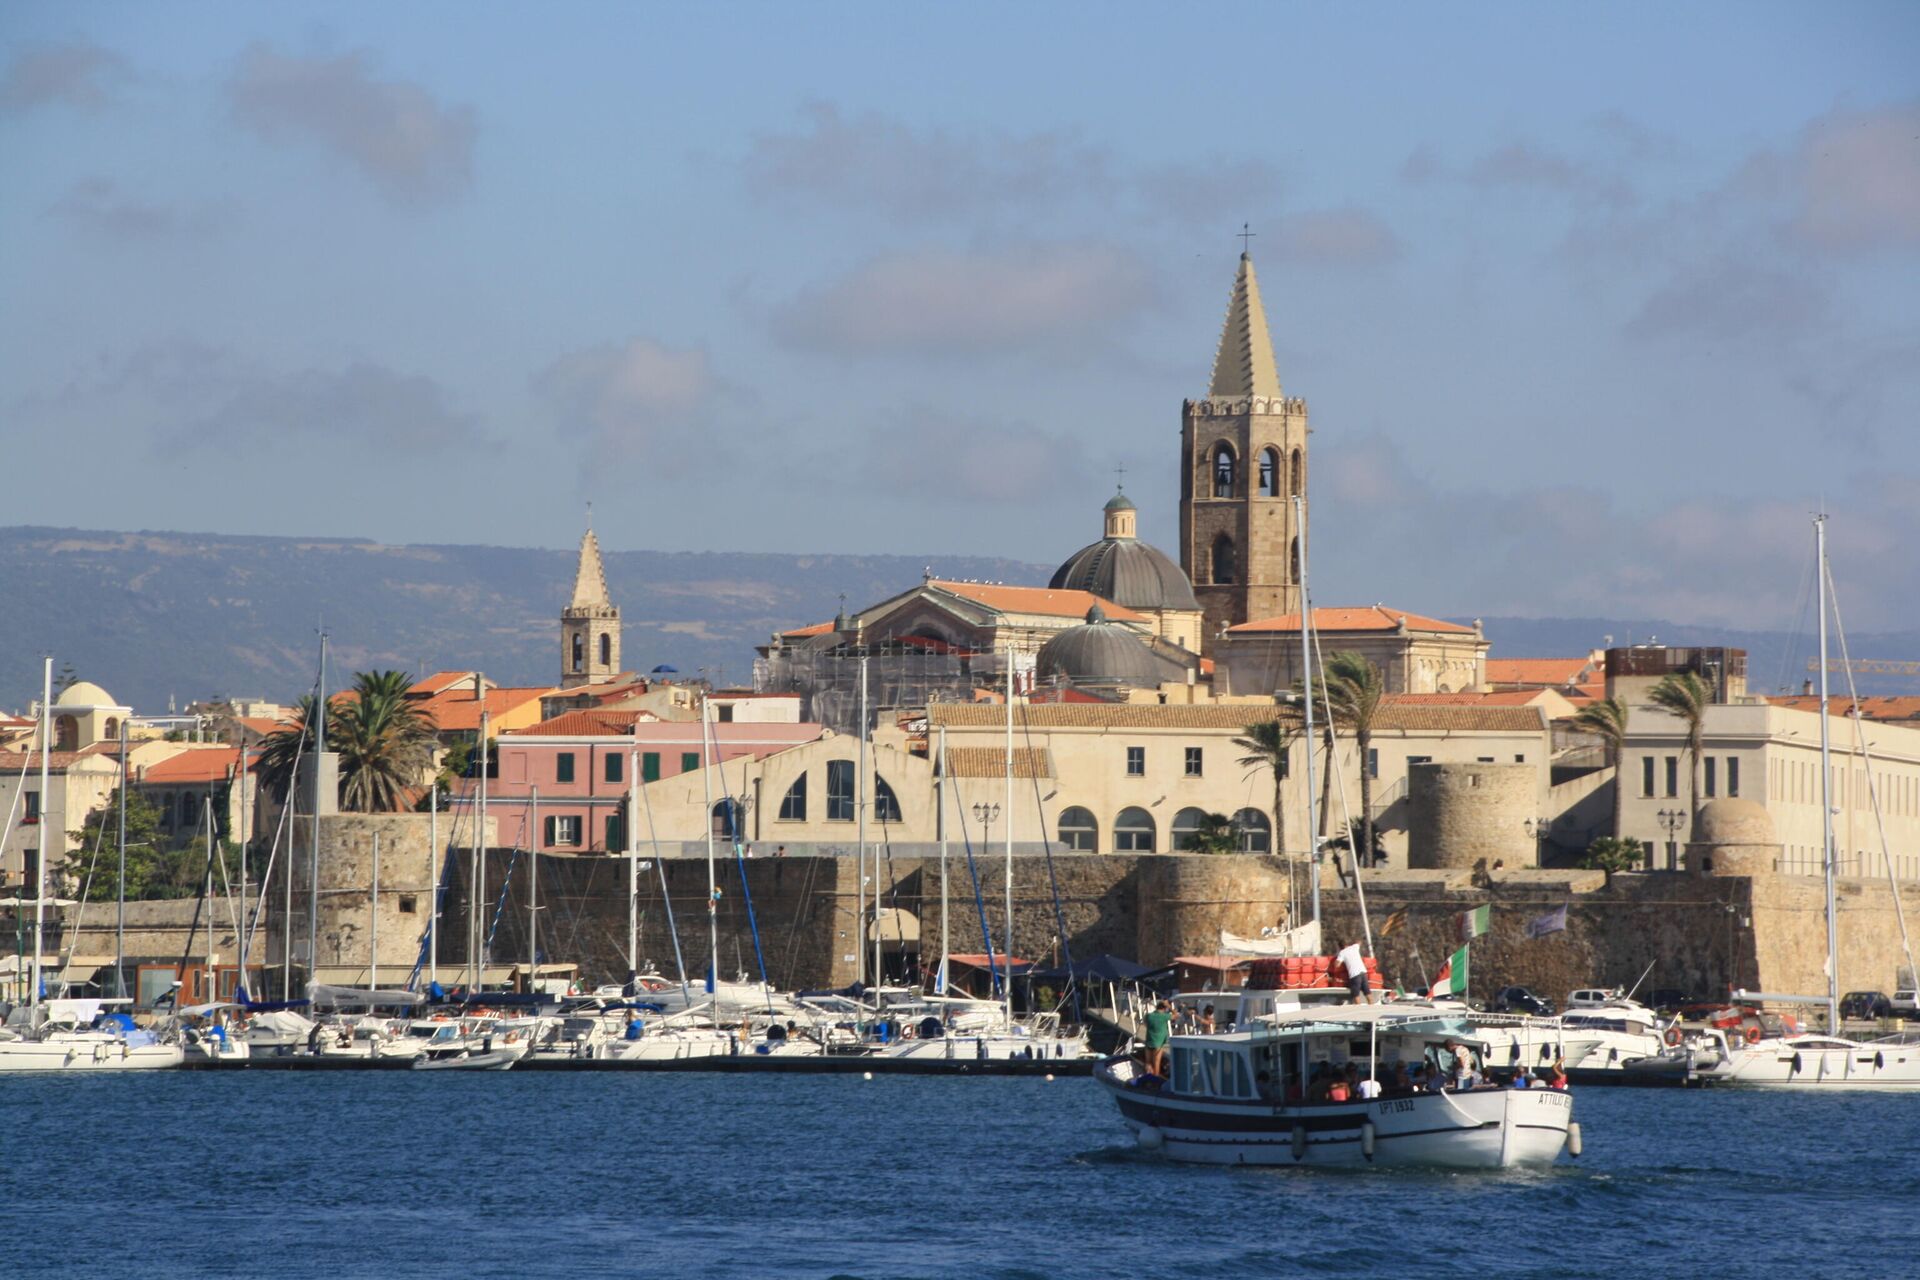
[409,144]
[638,400]
[79,74]
[1857,178]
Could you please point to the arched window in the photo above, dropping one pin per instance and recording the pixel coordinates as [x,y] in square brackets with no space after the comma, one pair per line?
[839,791]
[793,805]
[1269,473]
[1293,560]
[110,730]
[1298,483]
[1133,831]
[886,805]
[579,651]
[606,649]
[726,819]
[1256,832]
[1079,830]
[1223,566]
[66,733]
[1223,469]
[1186,824]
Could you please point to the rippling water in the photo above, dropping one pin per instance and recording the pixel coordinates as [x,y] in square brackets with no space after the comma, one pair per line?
[394,1173]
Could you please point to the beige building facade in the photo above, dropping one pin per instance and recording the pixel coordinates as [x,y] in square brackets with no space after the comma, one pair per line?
[1416,654]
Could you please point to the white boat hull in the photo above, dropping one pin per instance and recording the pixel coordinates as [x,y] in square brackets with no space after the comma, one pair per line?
[1477,1129]
[83,1052]
[1809,1064]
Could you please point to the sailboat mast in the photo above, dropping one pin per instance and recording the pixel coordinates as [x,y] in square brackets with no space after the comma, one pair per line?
[475,926]
[713,884]
[373,922]
[1826,785]
[1306,671]
[633,860]
[313,854]
[941,822]
[434,861]
[1006,832]
[120,894]
[860,813]
[533,889]
[46,825]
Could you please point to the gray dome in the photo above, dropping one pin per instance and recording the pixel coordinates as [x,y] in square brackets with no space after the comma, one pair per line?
[1128,572]
[1118,502]
[1099,652]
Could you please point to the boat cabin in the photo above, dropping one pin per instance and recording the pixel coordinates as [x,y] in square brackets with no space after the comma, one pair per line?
[1285,1059]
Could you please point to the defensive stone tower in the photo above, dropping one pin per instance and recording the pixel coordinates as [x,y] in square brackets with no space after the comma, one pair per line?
[1244,457]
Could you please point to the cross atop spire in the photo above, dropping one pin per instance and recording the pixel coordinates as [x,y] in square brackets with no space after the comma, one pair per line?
[1247,233]
[1243,365]
[590,579]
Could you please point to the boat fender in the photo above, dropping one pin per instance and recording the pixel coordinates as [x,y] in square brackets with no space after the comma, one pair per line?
[1879,1061]
[1299,1142]
[1673,1037]
[1513,1055]
[1574,1145]
[1613,1055]
[1366,1140]
[1796,1064]
[1753,1035]
[1149,1137]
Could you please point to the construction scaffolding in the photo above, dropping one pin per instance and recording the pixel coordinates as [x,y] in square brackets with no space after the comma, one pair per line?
[902,672]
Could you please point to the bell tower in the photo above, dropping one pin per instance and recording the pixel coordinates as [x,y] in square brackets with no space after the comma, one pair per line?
[1243,458]
[590,624]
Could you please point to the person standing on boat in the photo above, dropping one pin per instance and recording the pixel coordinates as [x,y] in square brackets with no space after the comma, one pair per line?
[1353,966]
[1159,1032]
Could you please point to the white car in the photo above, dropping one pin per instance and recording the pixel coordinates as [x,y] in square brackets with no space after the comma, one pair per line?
[1906,1001]
[1590,998]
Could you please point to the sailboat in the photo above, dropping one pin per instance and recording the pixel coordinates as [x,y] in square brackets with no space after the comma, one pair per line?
[1797,1059]
[69,1035]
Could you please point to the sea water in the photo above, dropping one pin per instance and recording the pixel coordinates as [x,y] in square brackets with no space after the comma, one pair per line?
[502,1174]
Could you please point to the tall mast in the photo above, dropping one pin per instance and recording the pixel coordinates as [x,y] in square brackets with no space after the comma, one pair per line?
[860,814]
[313,854]
[1306,669]
[46,825]
[713,885]
[941,823]
[633,861]
[1006,832]
[533,887]
[245,833]
[120,895]
[434,865]
[373,926]
[1826,785]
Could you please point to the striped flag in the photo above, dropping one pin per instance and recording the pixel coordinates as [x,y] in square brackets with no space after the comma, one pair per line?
[1554,921]
[1392,922]
[1475,922]
[1452,978]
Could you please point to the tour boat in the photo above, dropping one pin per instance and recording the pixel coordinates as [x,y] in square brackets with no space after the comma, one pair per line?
[1239,1097]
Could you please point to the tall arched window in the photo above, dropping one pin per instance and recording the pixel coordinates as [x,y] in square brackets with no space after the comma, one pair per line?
[1186,825]
[1256,831]
[1269,473]
[886,805]
[793,805]
[110,731]
[579,651]
[606,649]
[1079,830]
[839,791]
[66,733]
[1223,470]
[726,819]
[1223,566]
[1133,831]
[1298,483]
[1293,560]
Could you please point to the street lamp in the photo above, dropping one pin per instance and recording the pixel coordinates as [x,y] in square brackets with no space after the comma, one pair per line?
[985,814]
[1671,820]
[1538,829]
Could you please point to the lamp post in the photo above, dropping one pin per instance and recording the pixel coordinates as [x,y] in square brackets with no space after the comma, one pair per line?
[985,813]
[1538,829]
[1671,820]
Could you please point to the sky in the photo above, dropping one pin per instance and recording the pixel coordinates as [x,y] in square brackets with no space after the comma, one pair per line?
[1592,306]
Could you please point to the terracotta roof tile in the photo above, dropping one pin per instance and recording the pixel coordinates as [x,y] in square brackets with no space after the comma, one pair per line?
[801,633]
[1539,671]
[1493,698]
[991,762]
[582,724]
[1889,707]
[1373,617]
[457,709]
[1039,600]
[199,764]
[1393,716]
[439,682]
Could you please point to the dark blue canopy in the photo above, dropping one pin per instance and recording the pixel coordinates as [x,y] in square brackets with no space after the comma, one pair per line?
[1100,968]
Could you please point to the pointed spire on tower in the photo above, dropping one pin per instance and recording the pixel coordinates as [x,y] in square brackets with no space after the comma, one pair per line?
[590,580]
[1244,365]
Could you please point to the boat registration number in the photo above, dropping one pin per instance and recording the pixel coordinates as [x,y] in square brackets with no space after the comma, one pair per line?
[1391,1105]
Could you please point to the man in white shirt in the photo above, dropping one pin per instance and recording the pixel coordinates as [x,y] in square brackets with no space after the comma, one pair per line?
[1353,966]
[1368,1088]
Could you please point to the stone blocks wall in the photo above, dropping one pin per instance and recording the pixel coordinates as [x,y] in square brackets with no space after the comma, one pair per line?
[1463,814]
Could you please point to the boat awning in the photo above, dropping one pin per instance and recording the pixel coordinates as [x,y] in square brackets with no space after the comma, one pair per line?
[543,970]
[891,924]
[1225,964]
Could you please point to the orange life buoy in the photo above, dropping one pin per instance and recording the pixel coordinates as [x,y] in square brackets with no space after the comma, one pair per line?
[1753,1035]
[1673,1036]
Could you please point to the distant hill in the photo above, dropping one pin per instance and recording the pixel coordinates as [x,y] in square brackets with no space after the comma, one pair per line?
[153,616]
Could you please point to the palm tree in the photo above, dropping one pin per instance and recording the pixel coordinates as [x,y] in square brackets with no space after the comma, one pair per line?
[1687,696]
[279,749]
[1355,689]
[1608,719]
[1216,833]
[1267,744]
[385,743]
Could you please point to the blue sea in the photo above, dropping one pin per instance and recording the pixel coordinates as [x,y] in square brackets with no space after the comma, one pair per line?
[402,1174]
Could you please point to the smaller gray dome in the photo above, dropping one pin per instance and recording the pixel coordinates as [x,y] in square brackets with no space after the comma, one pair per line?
[1099,652]
[1119,502]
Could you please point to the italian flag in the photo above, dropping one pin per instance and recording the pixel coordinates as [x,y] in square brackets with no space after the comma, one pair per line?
[1452,978]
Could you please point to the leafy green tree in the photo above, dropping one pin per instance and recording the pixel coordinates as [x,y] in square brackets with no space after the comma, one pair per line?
[1355,689]
[1267,744]
[1687,696]
[1355,833]
[279,749]
[1217,833]
[155,867]
[1612,853]
[1607,719]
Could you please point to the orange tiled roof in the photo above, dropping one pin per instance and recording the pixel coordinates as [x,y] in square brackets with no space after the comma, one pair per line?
[457,709]
[991,762]
[583,723]
[801,633]
[1373,617]
[1541,671]
[195,765]
[14,761]
[439,682]
[1892,707]
[1393,716]
[1495,698]
[1041,600]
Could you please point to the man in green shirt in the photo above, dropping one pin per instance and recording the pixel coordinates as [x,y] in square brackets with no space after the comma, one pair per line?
[1159,1031]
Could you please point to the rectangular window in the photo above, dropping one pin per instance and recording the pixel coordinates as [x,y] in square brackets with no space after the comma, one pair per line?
[1520,757]
[839,791]
[1136,762]
[1414,760]
[1646,776]
[1713,775]
[562,831]
[793,805]
[650,766]
[725,713]
[1483,759]
[1193,762]
[409,904]
[616,834]
[1373,762]
[1733,775]
[1673,775]
[689,761]
[33,809]
[614,767]
[563,766]
[1286,761]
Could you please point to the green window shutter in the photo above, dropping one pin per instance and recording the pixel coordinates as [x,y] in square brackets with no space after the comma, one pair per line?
[689,761]
[650,766]
[613,766]
[563,767]
[548,833]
